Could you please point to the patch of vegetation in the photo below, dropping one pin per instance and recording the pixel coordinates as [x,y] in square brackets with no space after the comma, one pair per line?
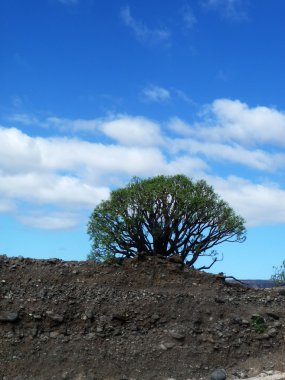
[279,276]
[258,323]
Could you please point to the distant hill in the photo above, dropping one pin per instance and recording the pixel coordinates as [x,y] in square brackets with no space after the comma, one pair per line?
[259,284]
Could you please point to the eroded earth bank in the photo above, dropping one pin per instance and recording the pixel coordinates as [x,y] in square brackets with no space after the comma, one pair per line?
[141,320]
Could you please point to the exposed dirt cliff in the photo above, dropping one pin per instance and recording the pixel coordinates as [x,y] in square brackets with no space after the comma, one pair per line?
[142,320]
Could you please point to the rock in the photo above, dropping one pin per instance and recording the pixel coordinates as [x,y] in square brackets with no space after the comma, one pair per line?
[155,317]
[7,316]
[10,334]
[277,324]
[54,334]
[163,347]
[169,345]
[89,314]
[272,332]
[91,336]
[176,334]
[55,317]
[218,374]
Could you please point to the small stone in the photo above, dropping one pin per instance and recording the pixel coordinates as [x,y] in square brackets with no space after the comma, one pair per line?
[54,334]
[7,316]
[163,347]
[218,374]
[89,314]
[90,336]
[55,317]
[155,317]
[272,332]
[176,334]
[169,345]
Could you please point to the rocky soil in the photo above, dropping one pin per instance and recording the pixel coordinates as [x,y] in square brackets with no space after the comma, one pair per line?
[141,320]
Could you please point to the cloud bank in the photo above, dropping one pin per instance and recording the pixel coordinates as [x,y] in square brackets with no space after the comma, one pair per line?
[61,178]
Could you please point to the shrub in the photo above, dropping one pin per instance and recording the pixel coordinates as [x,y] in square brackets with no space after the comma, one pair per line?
[258,323]
[279,276]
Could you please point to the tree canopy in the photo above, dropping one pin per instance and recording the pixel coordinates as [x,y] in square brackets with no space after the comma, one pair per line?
[163,215]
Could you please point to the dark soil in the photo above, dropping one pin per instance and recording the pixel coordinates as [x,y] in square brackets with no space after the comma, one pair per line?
[141,320]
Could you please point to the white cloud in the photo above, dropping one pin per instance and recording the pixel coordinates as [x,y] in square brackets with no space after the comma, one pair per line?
[143,33]
[52,221]
[180,127]
[133,131]
[6,206]
[183,96]
[20,153]
[51,189]
[25,119]
[231,9]
[73,125]
[257,158]
[188,165]
[258,203]
[156,94]
[230,120]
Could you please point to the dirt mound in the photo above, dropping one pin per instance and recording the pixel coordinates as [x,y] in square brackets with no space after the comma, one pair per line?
[141,320]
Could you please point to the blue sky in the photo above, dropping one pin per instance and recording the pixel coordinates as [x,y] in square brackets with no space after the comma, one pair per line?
[93,92]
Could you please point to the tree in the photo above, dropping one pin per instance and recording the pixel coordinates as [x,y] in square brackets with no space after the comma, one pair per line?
[279,275]
[163,215]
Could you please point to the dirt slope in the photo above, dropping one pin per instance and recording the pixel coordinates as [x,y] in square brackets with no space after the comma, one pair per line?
[142,320]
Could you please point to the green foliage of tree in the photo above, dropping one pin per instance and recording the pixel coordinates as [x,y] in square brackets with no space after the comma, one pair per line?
[163,215]
[279,274]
